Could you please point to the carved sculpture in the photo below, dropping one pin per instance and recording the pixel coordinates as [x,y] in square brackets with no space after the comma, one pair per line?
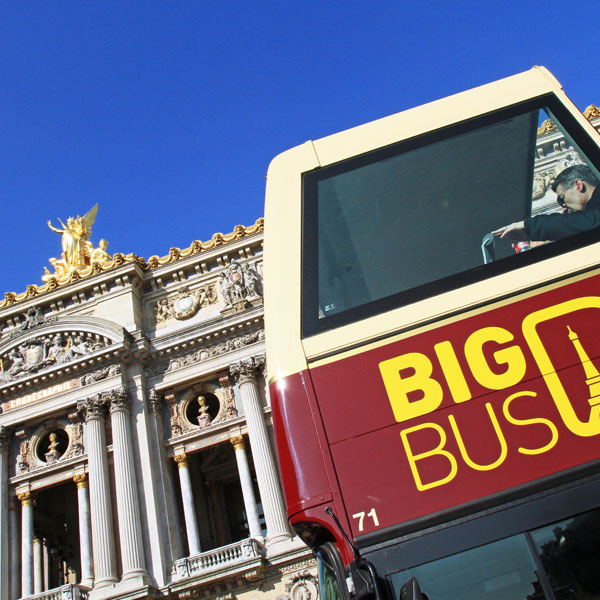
[203,416]
[239,284]
[33,318]
[77,251]
[185,303]
[43,352]
[52,455]
[62,277]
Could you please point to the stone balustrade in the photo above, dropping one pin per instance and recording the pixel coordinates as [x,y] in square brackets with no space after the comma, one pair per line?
[65,592]
[233,555]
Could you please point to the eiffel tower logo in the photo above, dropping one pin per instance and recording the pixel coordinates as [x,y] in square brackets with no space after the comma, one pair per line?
[592,376]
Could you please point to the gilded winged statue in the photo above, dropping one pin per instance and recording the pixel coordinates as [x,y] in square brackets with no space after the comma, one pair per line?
[77,250]
[75,234]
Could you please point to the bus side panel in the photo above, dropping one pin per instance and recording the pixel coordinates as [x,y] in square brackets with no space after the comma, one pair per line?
[500,398]
[307,473]
[300,452]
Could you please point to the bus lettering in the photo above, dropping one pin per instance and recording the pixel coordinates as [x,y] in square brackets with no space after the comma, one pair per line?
[463,450]
[440,446]
[539,421]
[511,356]
[437,451]
[417,382]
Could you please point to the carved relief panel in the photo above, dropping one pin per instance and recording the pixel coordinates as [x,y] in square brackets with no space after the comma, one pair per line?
[185,303]
[39,353]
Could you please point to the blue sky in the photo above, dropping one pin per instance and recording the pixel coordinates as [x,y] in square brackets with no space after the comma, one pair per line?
[167,113]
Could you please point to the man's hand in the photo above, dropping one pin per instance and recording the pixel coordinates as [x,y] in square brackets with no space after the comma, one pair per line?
[516,231]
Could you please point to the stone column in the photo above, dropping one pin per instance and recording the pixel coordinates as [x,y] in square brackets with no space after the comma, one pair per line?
[85,531]
[103,543]
[4,534]
[14,517]
[189,511]
[128,508]
[38,567]
[247,488]
[46,560]
[266,472]
[26,499]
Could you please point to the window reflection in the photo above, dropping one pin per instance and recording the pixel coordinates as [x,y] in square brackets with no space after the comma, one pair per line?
[570,553]
[503,570]
[567,566]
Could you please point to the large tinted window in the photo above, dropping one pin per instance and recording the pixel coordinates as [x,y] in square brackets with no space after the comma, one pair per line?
[557,562]
[408,221]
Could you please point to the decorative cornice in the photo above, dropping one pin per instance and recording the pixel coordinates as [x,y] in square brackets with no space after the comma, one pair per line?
[548,126]
[119,259]
[205,352]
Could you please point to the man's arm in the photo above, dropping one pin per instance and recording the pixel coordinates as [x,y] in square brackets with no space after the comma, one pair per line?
[559,226]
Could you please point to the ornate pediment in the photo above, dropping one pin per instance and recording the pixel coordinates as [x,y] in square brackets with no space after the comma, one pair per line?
[48,343]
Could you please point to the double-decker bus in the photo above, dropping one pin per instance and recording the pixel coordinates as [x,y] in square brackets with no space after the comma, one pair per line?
[433,347]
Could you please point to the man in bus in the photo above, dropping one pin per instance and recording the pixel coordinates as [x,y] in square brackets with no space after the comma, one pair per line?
[578,193]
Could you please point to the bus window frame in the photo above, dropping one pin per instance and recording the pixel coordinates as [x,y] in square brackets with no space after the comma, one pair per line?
[312,325]
[498,522]
[334,562]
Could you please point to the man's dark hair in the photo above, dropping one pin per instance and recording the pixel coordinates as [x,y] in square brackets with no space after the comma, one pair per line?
[570,174]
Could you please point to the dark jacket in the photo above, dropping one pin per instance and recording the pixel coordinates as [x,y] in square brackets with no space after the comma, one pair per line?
[560,225]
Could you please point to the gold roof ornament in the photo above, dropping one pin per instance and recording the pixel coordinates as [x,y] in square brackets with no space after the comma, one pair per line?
[101,262]
[546,127]
[77,251]
[591,112]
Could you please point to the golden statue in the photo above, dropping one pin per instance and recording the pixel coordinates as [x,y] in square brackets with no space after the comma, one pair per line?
[100,254]
[77,251]
[75,233]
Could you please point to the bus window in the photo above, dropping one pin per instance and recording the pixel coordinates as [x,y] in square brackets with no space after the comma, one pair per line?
[570,553]
[503,570]
[556,562]
[407,221]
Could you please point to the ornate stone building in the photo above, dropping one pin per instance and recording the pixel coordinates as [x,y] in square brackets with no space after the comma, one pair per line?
[135,434]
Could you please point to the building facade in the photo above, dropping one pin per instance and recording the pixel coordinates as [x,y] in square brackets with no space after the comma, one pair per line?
[136,449]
